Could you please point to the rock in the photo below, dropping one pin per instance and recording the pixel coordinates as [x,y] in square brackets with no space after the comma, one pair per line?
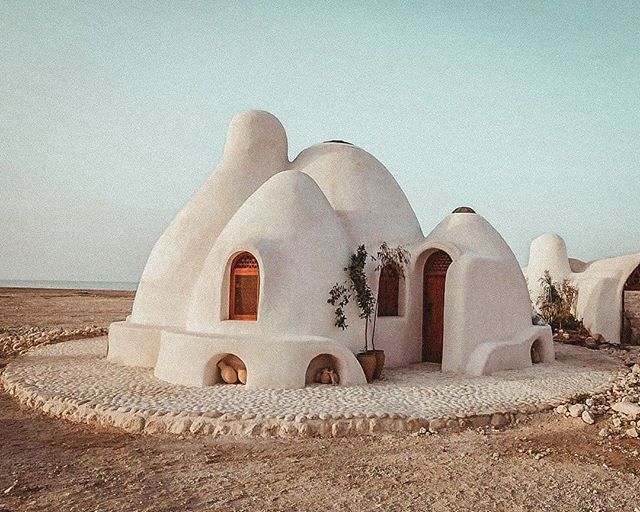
[576,410]
[438,424]
[591,343]
[636,369]
[588,418]
[339,429]
[197,425]
[604,432]
[631,432]
[589,402]
[500,420]
[480,421]
[628,409]
[536,319]
[133,423]
[155,427]
[617,422]
[562,409]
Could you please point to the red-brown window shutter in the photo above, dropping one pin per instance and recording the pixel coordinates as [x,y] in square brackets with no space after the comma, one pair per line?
[244,287]
[388,292]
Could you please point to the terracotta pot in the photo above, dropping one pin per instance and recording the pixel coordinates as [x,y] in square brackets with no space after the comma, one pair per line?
[379,363]
[368,362]
[228,374]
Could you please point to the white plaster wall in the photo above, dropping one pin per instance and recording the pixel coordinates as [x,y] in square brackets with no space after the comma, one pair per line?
[255,150]
[272,363]
[547,252]
[301,248]
[600,283]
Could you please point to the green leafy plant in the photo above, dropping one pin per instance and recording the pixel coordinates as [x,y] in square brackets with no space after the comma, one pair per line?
[395,259]
[357,288]
[339,298]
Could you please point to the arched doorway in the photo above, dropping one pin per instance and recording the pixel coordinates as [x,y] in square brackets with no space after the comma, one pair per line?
[244,287]
[433,284]
[631,308]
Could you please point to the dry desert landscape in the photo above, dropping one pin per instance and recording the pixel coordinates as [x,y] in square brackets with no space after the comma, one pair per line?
[546,462]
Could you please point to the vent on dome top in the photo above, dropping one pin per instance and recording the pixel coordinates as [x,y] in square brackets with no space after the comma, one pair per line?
[463,209]
[337,141]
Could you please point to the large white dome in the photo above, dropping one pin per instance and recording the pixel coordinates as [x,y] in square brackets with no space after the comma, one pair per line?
[362,191]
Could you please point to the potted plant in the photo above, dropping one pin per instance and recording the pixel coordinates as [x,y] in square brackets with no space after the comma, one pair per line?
[356,288]
[394,259]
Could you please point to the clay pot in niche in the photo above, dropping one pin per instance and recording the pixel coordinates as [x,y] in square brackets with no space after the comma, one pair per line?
[327,376]
[232,370]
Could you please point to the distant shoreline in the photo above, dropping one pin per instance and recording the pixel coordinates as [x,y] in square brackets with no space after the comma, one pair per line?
[69,285]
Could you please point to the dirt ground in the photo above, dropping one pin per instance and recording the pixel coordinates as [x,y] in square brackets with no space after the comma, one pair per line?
[63,308]
[548,462]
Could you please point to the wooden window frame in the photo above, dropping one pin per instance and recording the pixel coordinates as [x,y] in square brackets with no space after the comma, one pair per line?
[395,311]
[234,271]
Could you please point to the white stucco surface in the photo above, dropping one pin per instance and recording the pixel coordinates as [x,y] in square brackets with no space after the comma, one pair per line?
[600,283]
[301,220]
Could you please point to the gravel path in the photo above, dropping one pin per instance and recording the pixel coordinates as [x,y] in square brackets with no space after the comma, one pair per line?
[74,381]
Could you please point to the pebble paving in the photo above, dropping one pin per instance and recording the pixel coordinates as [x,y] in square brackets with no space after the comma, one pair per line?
[75,381]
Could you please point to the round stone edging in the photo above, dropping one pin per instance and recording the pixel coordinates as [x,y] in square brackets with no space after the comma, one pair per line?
[154,422]
[149,421]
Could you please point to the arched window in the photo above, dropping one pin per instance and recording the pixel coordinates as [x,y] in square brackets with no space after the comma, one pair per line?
[244,287]
[388,292]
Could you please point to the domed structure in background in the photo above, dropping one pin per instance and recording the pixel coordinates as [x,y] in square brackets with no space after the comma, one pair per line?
[602,286]
[238,283]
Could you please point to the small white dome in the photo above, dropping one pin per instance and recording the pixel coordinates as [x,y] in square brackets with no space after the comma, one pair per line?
[548,252]
[256,134]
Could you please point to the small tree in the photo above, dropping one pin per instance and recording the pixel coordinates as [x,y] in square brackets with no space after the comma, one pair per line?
[556,302]
[357,288]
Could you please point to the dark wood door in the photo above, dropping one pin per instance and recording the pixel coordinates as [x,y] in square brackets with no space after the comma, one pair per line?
[434,279]
[633,282]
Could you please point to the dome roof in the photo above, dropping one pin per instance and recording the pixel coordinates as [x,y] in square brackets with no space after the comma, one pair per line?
[255,133]
[473,233]
[363,193]
[290,228]
[548,252]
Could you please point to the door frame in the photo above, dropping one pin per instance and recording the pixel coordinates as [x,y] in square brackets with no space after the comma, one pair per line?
[424,291]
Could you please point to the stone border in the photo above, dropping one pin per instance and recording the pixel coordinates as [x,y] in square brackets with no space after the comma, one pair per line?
[208,422]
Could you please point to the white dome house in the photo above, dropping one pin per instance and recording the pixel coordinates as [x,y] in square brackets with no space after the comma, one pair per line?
[606,287]
[241,276]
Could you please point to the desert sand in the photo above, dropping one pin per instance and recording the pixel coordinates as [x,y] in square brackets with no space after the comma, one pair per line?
[547,462]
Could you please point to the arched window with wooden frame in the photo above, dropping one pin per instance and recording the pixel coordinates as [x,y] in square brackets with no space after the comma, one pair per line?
[388,292]
[244,289]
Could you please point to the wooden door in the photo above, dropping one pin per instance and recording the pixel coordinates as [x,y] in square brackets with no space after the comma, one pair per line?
[434,279]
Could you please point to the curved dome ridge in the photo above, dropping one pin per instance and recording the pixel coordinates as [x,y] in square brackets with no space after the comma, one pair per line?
[365,195]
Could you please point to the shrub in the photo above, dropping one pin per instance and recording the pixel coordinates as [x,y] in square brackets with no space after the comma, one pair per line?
[556,302]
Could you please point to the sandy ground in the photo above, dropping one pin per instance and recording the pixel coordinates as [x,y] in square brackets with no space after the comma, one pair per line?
[546,463]
[63,308]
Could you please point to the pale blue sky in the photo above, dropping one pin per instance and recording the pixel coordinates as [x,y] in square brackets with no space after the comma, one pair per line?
[113,113]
